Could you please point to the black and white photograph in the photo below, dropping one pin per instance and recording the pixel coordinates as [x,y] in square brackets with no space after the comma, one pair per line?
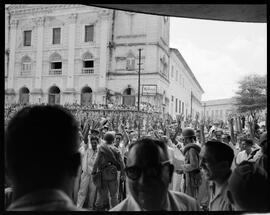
[136,107]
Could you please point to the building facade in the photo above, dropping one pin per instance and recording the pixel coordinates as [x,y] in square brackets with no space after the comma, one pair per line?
[185,90]
[218,109]
[67,53]
[131,32]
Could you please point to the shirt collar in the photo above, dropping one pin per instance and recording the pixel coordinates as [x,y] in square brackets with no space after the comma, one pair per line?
[133,205]
[39,197]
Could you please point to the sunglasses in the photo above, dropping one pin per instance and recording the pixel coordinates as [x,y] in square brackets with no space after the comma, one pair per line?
[134,172]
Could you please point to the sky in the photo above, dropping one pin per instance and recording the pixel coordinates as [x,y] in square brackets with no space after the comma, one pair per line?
[220,53]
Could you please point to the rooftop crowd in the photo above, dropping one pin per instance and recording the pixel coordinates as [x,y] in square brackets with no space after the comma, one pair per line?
[93,158]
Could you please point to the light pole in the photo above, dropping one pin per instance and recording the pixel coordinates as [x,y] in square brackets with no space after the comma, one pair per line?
[204,113]
[139,84]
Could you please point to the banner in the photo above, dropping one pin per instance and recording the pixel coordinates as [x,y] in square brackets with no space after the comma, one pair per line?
[149,89]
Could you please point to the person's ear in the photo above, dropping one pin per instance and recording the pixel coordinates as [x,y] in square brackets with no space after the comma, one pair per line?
[75,163]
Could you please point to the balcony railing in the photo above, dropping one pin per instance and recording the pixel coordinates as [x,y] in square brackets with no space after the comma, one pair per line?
[55,72]
[25,72]
[87,70]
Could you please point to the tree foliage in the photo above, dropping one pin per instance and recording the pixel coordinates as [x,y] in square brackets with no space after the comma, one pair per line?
[251,97]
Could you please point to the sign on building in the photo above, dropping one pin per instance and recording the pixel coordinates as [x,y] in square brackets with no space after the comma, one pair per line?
[149,90]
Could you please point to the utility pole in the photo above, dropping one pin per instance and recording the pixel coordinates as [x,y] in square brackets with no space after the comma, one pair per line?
[204,112]
[139,84]
[191,95]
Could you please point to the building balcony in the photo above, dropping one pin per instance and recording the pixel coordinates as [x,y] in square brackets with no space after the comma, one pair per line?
[55,72]
[25,73]
[87,70]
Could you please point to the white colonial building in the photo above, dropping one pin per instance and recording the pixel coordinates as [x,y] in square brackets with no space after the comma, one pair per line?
[131,32]
[185,90]
[68,53]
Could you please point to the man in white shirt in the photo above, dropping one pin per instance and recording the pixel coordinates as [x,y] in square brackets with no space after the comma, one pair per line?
[86,177]
[245,153]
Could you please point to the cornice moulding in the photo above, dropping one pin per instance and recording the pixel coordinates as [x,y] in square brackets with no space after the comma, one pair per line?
[38,9]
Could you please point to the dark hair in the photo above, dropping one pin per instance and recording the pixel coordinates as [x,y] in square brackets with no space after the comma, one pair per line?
[41,145]
[248,141]
[151,142]
[220,151]
[119,134]
[93,138]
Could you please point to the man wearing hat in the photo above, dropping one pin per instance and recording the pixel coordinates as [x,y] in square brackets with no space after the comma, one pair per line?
[108,161]
[191,176]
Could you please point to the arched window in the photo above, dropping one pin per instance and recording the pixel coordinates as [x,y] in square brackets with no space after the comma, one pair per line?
[130,61]
[129,97]
[26,65]
[55,64]
[86,96]
[54,95]
[24,95]
[88,63]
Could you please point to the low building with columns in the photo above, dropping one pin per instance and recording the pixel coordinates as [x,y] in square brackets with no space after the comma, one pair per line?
[68,53]
[219,109]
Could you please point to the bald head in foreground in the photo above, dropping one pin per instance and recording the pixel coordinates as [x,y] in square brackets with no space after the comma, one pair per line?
[149,173]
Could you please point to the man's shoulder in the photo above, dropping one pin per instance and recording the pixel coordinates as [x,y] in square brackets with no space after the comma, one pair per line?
[115,149]
[122,206]
[187,202]
[241,153]
[183,196]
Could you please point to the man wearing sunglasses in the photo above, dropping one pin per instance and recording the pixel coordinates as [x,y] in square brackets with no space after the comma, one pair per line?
[149,173]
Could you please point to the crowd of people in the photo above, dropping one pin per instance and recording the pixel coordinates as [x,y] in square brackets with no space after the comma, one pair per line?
[149,117]
[113,167]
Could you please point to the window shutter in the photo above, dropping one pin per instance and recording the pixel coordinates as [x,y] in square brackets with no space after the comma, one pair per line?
[56,35]
[133,64]
[89,33]
[27,38]
[128,64]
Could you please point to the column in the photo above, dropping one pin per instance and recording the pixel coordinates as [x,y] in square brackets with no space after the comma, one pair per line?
[11,67]
[70,91]
[37,91]
[104,40]
[13,34]
[71,50]
[39,61]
